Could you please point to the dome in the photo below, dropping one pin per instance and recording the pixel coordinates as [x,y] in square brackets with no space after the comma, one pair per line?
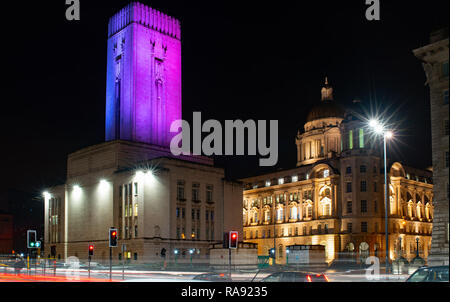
[325,109]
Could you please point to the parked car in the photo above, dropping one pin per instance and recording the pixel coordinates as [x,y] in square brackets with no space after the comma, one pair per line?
[430,274]
[295,277]
[213,277]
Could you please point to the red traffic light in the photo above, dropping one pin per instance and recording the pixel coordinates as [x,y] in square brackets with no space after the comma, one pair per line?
[113,238]
[91,247]
[233,240]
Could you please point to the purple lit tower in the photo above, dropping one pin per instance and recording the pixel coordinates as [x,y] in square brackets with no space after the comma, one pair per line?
[143,89]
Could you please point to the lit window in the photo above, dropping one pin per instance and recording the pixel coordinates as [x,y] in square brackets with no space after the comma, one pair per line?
[294,178]
[350,139]
[326,173]
[135,209]
[361,138]
[281,181]
[267,183]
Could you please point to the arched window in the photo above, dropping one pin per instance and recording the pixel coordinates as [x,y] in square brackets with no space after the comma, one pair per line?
[294,212]
[267,215]
[307,209]
[280,214]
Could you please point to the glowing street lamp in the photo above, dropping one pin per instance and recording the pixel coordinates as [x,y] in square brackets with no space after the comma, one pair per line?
[379,129]
[176,255]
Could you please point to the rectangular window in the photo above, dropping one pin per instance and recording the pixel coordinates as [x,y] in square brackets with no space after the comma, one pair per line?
[212,215]
[180,190]
[193,214]
[349,207]
[375,206]
[135,231]
[281,181]
[183,213]
[178,233]
[136,189]
[350,227]
[363,186]
[350,139]
[445,69]
[364,227]
[446,97]
[446,128]
[361,138]
[363,206]
[198,214]
[209,193]
[195,191]
[294,178]
[207,215]
[375,187]
[362,169]
[446,159]
[348,170]
[349,187]
[178,212]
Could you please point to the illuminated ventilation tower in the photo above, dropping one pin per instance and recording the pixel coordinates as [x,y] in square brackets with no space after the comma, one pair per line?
[143,88]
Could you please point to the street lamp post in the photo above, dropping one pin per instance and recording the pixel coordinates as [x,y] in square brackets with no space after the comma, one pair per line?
[379,129]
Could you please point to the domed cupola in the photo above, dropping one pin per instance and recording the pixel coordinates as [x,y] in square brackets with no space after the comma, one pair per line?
[327,108]
[322,137]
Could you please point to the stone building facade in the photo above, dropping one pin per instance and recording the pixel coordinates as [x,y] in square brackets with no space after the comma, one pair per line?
[164,206]
[434,58]
[335,195]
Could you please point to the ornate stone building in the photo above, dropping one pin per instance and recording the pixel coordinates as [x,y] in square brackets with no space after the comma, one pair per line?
[434,58]
[334,197]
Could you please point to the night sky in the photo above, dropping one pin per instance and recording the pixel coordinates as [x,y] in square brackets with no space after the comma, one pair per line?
[255,60]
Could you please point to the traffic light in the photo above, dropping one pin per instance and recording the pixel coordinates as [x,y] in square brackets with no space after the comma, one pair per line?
[31,239]
[226,240]
[233,239]
[91,250]
[113,237]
